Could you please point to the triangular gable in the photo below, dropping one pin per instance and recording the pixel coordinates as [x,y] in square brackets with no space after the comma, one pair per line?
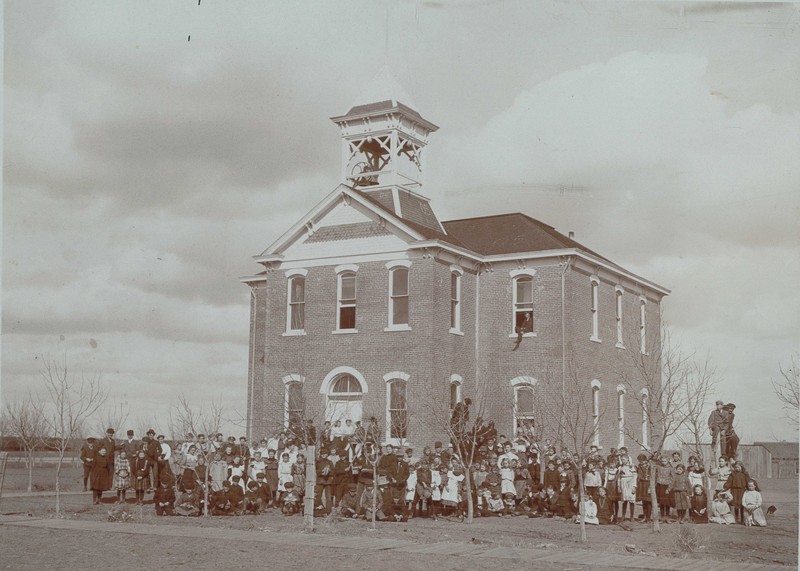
[343,214]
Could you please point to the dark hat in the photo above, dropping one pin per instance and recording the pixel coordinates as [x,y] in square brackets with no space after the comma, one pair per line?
[226,484]
[288,485]
[151,431]
[260,475]
[437,444]
[641,457]
[719,402]
[130,433]
[252,485]
[90,440]
[160,436]
[110,431]
[236,478]
[730,405]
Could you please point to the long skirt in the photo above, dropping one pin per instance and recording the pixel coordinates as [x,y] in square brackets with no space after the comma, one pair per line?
[612,490]
[643,490]
[662,495]
[681,500]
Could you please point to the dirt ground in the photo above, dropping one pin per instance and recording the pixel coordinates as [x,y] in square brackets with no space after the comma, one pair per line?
[776,544]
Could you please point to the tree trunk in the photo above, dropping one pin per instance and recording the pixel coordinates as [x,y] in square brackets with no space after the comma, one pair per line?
[374,488]
[653,497]
[311,480]
[582,507]
[30,471]
[58,481]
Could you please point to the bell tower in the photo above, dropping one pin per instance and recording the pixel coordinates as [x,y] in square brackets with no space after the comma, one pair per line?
[383,139]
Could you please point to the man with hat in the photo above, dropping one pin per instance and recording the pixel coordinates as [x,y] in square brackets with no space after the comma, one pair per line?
[717,424]
[110,445]
[324,484]
[130,445]
[88,451]
[348,505]
[152,451]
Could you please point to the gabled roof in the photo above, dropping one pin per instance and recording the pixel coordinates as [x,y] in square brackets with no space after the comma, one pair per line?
[508,234]
[788,450]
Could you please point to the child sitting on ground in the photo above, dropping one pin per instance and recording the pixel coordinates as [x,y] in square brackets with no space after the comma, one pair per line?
[698,510]
[291,500]
[751,504]
[720,509]
[164,497]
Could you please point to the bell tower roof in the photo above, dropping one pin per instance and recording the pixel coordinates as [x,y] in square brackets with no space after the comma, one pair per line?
[383,87]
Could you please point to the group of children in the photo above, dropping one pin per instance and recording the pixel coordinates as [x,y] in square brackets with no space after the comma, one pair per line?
[359,479]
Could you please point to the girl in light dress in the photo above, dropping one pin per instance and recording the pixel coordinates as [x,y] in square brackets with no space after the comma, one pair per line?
[721,510]
[507,479]
[627,485]
[411,488]
[451,495]
[723,471]
[589,511]
[696,473]
[237,469]
[284,472]
[751,506]
[257,465]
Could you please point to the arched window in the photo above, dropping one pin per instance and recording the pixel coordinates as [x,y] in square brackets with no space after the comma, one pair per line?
[621,415]
[344,399]
[645,418]
[595,283]
[294,406]
[296,303]
[596,412]
[619,293]
[524,401]
[455,301]
[397,410]
[398,295]
[455,390]
[346,301]
[643,325]
[522,303]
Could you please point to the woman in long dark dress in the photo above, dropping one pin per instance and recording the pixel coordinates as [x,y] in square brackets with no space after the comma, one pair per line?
[101,477]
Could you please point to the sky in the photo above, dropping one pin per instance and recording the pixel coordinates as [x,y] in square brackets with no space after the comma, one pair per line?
[151,148]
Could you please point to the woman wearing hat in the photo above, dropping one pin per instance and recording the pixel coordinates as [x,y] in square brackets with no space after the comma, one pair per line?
[101,477]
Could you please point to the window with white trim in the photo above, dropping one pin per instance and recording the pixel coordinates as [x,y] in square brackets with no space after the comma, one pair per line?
[455,394]
[296,310]
[397,409]
[523,300]
[455,301]
[643,326]
[596,412]
[523,404]
[621,415]
[293,419]
[346,301]
[645,418]
[595,283]
[398,296]
[619,292]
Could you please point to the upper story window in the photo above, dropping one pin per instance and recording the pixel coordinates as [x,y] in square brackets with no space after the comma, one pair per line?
[522,303]
[346,298]
[397,418]
[596,412]
[296,302]
[643,325]
[455,390]
[398,295]
[618,292]
[455,299]
[595,283]
[294,406]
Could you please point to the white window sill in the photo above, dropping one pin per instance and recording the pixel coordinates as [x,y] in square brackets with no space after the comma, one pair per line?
[343,331]
[401,327]
[595,339]
[294,333]
[456,332]
[524,335]
[620,345]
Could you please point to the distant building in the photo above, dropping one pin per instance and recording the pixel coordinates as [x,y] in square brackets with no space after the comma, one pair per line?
[784,459]
[371,306]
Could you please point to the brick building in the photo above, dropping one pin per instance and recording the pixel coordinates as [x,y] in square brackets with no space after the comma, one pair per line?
[371,306]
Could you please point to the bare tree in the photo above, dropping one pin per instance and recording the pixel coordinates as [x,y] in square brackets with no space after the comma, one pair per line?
[787,389]
[185,417]
[69,402]
[25,421]
[576,415]
[657,379]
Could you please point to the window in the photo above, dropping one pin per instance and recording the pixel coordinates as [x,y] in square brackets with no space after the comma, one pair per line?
[643,325]
[524,401]
[397,425]
[398,295]
[595,313]
[344,399]
[620,344]
[293,418]
[455,390]
[296,311]
[621,415]
[455,301]
[596,412]
[645,418]
[523,301]
[346,301]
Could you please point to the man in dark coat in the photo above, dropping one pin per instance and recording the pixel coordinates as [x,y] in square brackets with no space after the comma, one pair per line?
[130,445]
[153,452]
[731,439]
[324,485]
